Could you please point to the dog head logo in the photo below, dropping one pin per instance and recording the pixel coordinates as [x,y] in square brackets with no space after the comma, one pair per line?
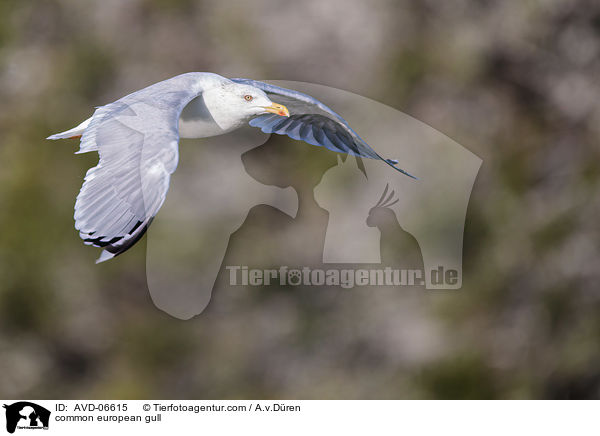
[26,415]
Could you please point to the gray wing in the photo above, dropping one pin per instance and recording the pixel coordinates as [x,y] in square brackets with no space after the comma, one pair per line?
[137,140]
[313,122]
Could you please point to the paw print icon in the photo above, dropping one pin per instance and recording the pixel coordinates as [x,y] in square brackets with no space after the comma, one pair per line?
[294,277]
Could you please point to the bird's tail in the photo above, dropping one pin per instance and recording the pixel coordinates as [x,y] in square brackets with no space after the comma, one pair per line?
[75,132]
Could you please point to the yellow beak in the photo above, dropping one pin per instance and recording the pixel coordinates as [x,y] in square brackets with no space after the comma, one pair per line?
[278,109]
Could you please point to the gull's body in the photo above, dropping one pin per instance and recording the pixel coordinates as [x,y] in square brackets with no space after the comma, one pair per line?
[137,140]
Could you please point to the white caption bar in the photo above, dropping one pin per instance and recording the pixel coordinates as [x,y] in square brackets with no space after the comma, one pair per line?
[22,417]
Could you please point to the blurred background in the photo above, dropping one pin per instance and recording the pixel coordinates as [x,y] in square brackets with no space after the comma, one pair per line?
[514,82]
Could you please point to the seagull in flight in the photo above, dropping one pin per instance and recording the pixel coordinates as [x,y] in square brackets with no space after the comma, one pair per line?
[137,139]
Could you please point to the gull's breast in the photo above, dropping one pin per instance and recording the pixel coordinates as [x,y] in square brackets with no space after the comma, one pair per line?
[196,121]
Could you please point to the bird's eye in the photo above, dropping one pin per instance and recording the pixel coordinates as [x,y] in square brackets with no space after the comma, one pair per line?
[248,97]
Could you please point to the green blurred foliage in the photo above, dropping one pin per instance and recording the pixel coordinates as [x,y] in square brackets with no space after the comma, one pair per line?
[516,83]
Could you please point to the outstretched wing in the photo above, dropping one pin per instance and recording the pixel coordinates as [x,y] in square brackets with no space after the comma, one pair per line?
[137,140]
[313,122]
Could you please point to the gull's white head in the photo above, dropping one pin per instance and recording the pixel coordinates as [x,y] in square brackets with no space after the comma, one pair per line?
[233,105]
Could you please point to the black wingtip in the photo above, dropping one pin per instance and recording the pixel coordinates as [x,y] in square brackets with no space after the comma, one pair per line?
[393,163]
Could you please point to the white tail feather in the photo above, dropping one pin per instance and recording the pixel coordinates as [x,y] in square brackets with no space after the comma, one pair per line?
[73,133]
